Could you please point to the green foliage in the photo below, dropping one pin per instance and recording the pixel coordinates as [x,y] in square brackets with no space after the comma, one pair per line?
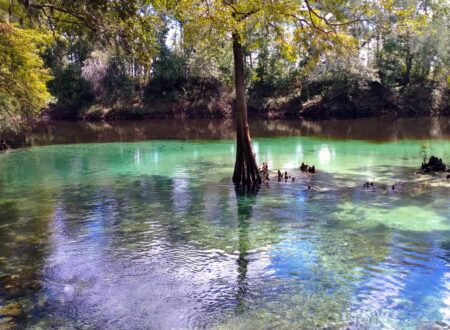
[23,90]
[169,69]
[118,85]
[390,63]
[130,25]
[107,78]
[117,53]
[71,92]
[415,44]
[313,27]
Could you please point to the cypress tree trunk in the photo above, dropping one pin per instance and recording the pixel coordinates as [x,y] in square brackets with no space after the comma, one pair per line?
[409,62]
[246,170]
[10,11]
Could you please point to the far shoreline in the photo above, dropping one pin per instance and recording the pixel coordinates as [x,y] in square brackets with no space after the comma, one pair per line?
[374,129]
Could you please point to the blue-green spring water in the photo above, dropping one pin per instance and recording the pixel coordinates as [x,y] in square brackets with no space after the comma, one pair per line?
[152,234]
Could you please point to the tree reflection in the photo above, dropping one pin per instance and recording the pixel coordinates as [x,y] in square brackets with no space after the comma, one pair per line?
[366,129]
[245,199]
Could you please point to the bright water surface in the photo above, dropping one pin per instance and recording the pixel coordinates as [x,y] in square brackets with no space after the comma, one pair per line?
[152,234]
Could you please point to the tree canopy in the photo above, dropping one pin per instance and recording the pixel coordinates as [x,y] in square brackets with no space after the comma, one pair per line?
[22,75]
[167,54]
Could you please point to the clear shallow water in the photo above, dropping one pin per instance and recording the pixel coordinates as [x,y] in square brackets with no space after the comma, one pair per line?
[152,234]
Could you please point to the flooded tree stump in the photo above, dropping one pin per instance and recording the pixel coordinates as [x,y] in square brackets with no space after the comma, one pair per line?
[434,164]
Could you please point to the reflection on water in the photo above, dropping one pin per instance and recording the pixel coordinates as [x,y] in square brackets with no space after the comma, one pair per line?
[375,129]
[153,235]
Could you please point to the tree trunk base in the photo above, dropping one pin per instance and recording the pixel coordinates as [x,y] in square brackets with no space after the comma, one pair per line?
[246,171]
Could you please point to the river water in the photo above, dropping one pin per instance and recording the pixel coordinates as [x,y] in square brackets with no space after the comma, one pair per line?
[145,230]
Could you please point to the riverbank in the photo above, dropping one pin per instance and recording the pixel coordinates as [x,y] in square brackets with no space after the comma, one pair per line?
[369,100]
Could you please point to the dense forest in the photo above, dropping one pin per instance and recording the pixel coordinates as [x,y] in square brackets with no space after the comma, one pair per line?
[225,164]
[107,59]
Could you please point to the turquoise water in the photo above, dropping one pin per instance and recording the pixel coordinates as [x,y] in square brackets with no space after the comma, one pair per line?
[152,234]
